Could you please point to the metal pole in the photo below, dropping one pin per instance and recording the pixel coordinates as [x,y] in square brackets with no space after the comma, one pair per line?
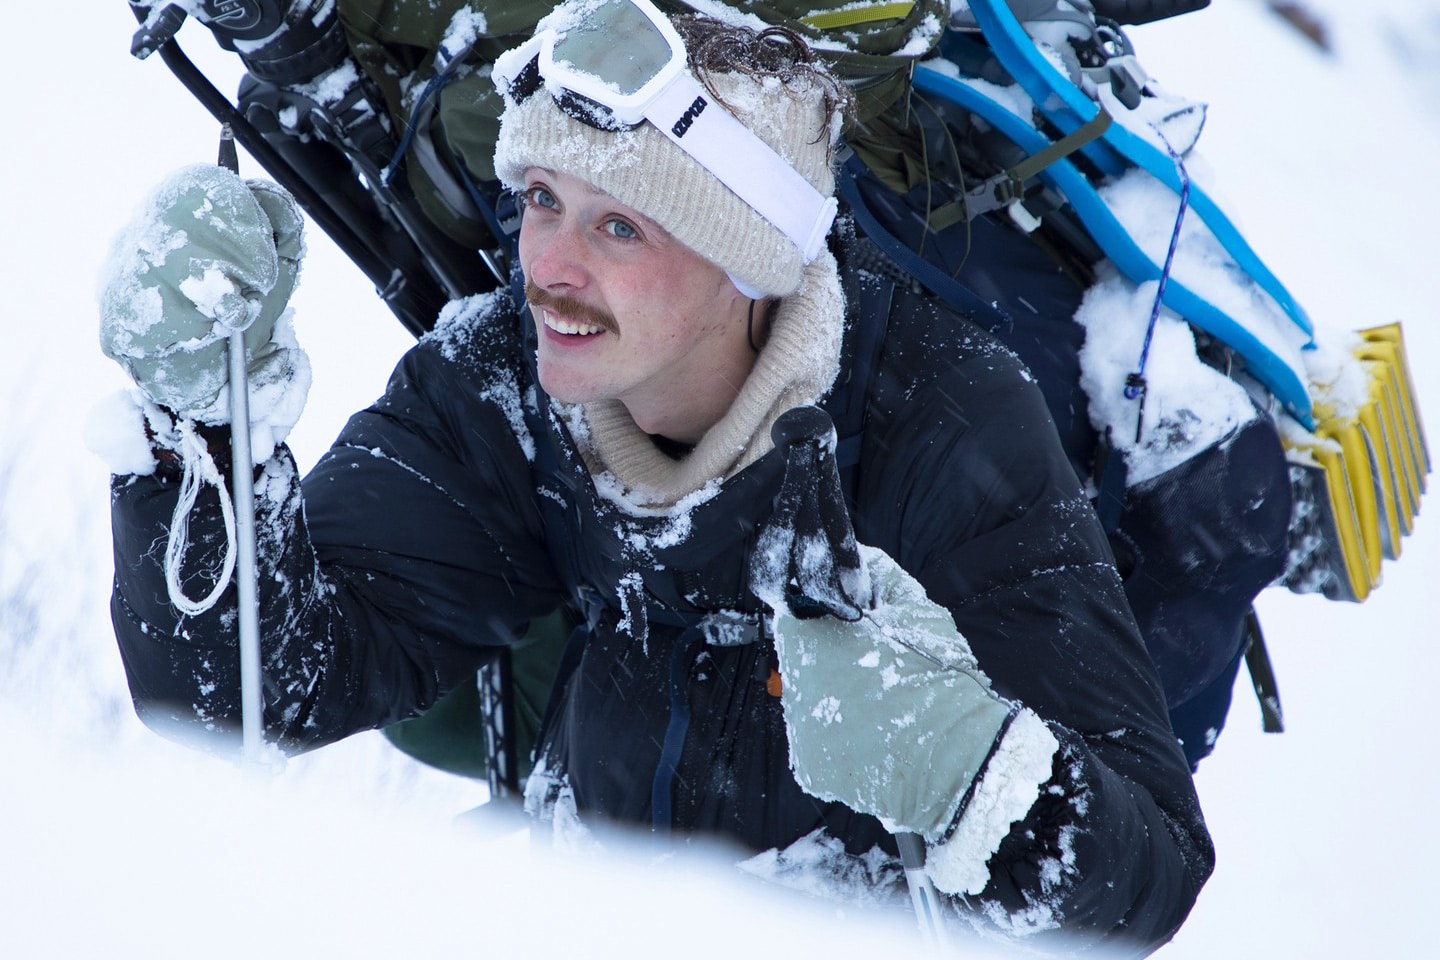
[243,490]
[922,894]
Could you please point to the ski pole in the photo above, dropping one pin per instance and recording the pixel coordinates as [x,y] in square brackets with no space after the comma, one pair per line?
[243,490]
[922,894]
[807,435]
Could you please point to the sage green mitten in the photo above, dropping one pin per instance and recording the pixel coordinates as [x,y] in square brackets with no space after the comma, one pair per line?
[208,254]
[890,714]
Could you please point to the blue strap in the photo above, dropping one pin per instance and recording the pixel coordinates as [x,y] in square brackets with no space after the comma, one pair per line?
[662,787]
[1135,382]
[436,83]
[1274,371]
[1067,106]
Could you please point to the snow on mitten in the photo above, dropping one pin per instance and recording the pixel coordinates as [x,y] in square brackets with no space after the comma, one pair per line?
[209,253]
[889,715]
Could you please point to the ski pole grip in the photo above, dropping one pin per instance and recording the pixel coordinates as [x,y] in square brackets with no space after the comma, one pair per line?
[811,506]
[156,30]
[803,425]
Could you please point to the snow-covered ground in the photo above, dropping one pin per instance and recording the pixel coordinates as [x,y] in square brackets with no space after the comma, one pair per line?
[114,842]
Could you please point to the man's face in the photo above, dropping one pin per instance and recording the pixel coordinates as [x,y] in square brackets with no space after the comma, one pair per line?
[623,310]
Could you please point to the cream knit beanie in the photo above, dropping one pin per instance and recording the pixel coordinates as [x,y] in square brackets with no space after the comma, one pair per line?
[644,170]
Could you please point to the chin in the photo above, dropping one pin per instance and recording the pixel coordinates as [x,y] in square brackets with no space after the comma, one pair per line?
[564,388]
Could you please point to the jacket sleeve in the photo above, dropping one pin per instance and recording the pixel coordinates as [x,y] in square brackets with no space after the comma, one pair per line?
[411,548]
[993,522]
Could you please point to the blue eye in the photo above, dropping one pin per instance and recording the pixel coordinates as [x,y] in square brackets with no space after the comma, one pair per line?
[539,197]
[622,230]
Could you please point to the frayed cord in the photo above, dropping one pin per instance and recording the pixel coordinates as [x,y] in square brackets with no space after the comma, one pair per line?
[199,469]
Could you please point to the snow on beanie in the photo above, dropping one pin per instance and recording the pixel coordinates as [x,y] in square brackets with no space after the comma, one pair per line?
[644,170]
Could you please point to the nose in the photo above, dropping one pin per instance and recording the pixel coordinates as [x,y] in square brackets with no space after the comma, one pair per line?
[553,256]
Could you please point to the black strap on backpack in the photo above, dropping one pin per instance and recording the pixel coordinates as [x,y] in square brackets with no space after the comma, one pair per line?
[848,402]
[1262,676]
[955,294]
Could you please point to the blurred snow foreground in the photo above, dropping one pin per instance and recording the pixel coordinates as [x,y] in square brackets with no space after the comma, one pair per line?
[116,842]
[166,853]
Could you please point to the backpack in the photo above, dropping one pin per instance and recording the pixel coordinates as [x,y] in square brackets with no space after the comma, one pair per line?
[996,162]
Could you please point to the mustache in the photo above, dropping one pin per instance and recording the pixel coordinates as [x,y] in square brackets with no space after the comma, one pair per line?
[570,308]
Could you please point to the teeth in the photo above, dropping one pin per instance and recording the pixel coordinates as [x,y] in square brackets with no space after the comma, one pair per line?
[566,327]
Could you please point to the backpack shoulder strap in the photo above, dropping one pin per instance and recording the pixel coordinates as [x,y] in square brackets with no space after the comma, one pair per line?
[870,281]
[909,263]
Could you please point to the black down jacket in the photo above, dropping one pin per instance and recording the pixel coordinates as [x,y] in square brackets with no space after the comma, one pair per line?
[456,509]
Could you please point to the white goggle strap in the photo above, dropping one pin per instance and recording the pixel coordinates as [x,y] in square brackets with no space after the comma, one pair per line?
[686,113]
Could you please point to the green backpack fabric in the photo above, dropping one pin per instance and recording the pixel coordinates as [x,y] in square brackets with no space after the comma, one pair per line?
[451,735]
[395,43]
[872,46]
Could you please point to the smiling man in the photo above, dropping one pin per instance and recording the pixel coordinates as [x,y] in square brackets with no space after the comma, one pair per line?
[799,647]
[628,313]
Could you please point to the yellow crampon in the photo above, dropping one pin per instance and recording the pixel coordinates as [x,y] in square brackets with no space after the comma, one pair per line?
[1358,478]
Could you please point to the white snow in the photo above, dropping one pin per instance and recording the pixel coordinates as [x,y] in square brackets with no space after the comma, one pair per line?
[117,843]
[328,88]
[459,325]
[1188,406]
[1012,97]
[115,432]
[466,27]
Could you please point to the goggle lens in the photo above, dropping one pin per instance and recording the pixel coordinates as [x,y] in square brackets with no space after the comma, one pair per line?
[590,47]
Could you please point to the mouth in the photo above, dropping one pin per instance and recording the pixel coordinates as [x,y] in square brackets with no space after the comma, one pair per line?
[569,328]
[567,316]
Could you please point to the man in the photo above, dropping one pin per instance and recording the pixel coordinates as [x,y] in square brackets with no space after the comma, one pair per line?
[635,439]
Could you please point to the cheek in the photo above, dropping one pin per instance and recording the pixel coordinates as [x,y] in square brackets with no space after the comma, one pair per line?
[692,296]
[546,255]
[525,247]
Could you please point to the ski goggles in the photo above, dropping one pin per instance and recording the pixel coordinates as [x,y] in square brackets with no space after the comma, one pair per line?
[620,64]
